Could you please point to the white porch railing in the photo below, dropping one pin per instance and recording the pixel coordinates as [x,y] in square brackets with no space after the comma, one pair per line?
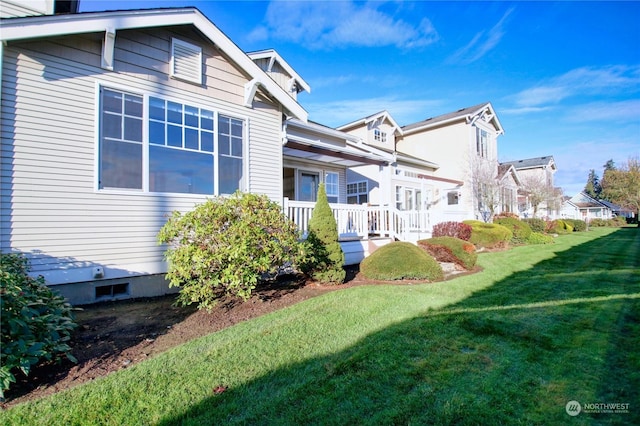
[362,221]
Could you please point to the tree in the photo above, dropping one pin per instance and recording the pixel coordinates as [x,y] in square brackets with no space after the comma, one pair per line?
[540,191]
[592,188]
[326,253]
[486,186]
[622,186]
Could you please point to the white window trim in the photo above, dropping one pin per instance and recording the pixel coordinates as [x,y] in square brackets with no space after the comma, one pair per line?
[336,195]
[196,50]
[357,194]
[244,185]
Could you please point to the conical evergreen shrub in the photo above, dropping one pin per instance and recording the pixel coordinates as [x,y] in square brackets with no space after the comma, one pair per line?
[323,243]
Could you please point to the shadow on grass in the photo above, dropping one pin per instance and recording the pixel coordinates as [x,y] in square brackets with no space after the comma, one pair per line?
[517,352]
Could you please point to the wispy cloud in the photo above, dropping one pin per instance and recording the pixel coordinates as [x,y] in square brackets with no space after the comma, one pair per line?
[482,43]
[342,112]
[580,82]
[617,111]
[328,24]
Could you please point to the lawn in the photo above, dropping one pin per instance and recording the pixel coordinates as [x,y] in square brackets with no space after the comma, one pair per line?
[539,327]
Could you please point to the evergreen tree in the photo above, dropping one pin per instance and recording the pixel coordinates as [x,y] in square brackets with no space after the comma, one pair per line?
[323,242]
[609,167]
[592,188]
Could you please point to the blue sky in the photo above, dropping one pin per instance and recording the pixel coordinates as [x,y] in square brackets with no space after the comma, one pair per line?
[563,77]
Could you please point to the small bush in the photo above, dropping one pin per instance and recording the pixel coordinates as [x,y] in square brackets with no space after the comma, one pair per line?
[506,215]
[540,238]
[520,230]
[489,235]
[537,225]
[452,229]
[597,223]
[452,250]
[36,323]
[225,246]
[401,260]
[559,226]
[617,221]
[577,224]
[322,242]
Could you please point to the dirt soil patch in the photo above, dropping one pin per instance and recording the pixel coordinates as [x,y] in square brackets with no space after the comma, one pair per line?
[115,335]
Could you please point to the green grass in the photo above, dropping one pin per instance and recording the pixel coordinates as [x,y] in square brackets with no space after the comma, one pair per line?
[540,326]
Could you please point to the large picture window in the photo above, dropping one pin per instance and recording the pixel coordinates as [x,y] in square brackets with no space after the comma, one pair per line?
[181,146]
[121,140]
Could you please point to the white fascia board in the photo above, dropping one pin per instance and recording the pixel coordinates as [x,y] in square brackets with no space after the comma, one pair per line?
[317,128]
[273,55]
[47,26]
[388,157]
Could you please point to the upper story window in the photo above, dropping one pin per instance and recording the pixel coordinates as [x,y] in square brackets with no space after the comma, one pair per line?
[358,192]
[188,149]
[482,143]
[379,136]
[331,186]
[186,61]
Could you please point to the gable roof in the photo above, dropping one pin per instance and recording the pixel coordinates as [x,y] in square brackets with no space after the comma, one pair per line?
[532,163]
[506,169]
[274,57]
[469,115]
[382,116]
[24,28]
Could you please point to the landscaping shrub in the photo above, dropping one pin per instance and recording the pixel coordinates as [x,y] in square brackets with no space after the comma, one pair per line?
[36,322]
[578,225]
[596,223]
[451,249]
[520,230]
[539,238]
[617,221]
[225,246]
[559,226]
[537,225]
[506,214]
[401,260]
[322,242]
[489,235]
[452,229]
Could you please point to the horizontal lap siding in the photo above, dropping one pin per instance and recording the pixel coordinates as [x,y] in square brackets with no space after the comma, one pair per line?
[49,206]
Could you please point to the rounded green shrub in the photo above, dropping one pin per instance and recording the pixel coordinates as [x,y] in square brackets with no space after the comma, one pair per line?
[617,221]
[452,250]
[539,238]
[537,225]
[323,245]
[520,230]
[489,235]
[225,246]
[597,223]
[36,323]
[559,226]
[401,260]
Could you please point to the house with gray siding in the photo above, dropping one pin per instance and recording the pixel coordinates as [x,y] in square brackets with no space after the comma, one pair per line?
[112,120]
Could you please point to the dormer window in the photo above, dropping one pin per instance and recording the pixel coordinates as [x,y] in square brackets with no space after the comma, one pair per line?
[186,61]
[379,136]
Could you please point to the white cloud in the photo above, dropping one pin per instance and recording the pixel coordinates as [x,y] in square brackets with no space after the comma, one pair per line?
[481,43]
[341,112]
[325,25]
[580,82]
[618,111]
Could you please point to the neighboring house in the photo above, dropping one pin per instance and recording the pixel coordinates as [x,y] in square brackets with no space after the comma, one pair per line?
[536,176]
[582,206]
[508,184]
[617,210]
[112,120]
[434,163]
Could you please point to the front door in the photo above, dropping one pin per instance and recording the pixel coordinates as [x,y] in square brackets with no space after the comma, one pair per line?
[308,186]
